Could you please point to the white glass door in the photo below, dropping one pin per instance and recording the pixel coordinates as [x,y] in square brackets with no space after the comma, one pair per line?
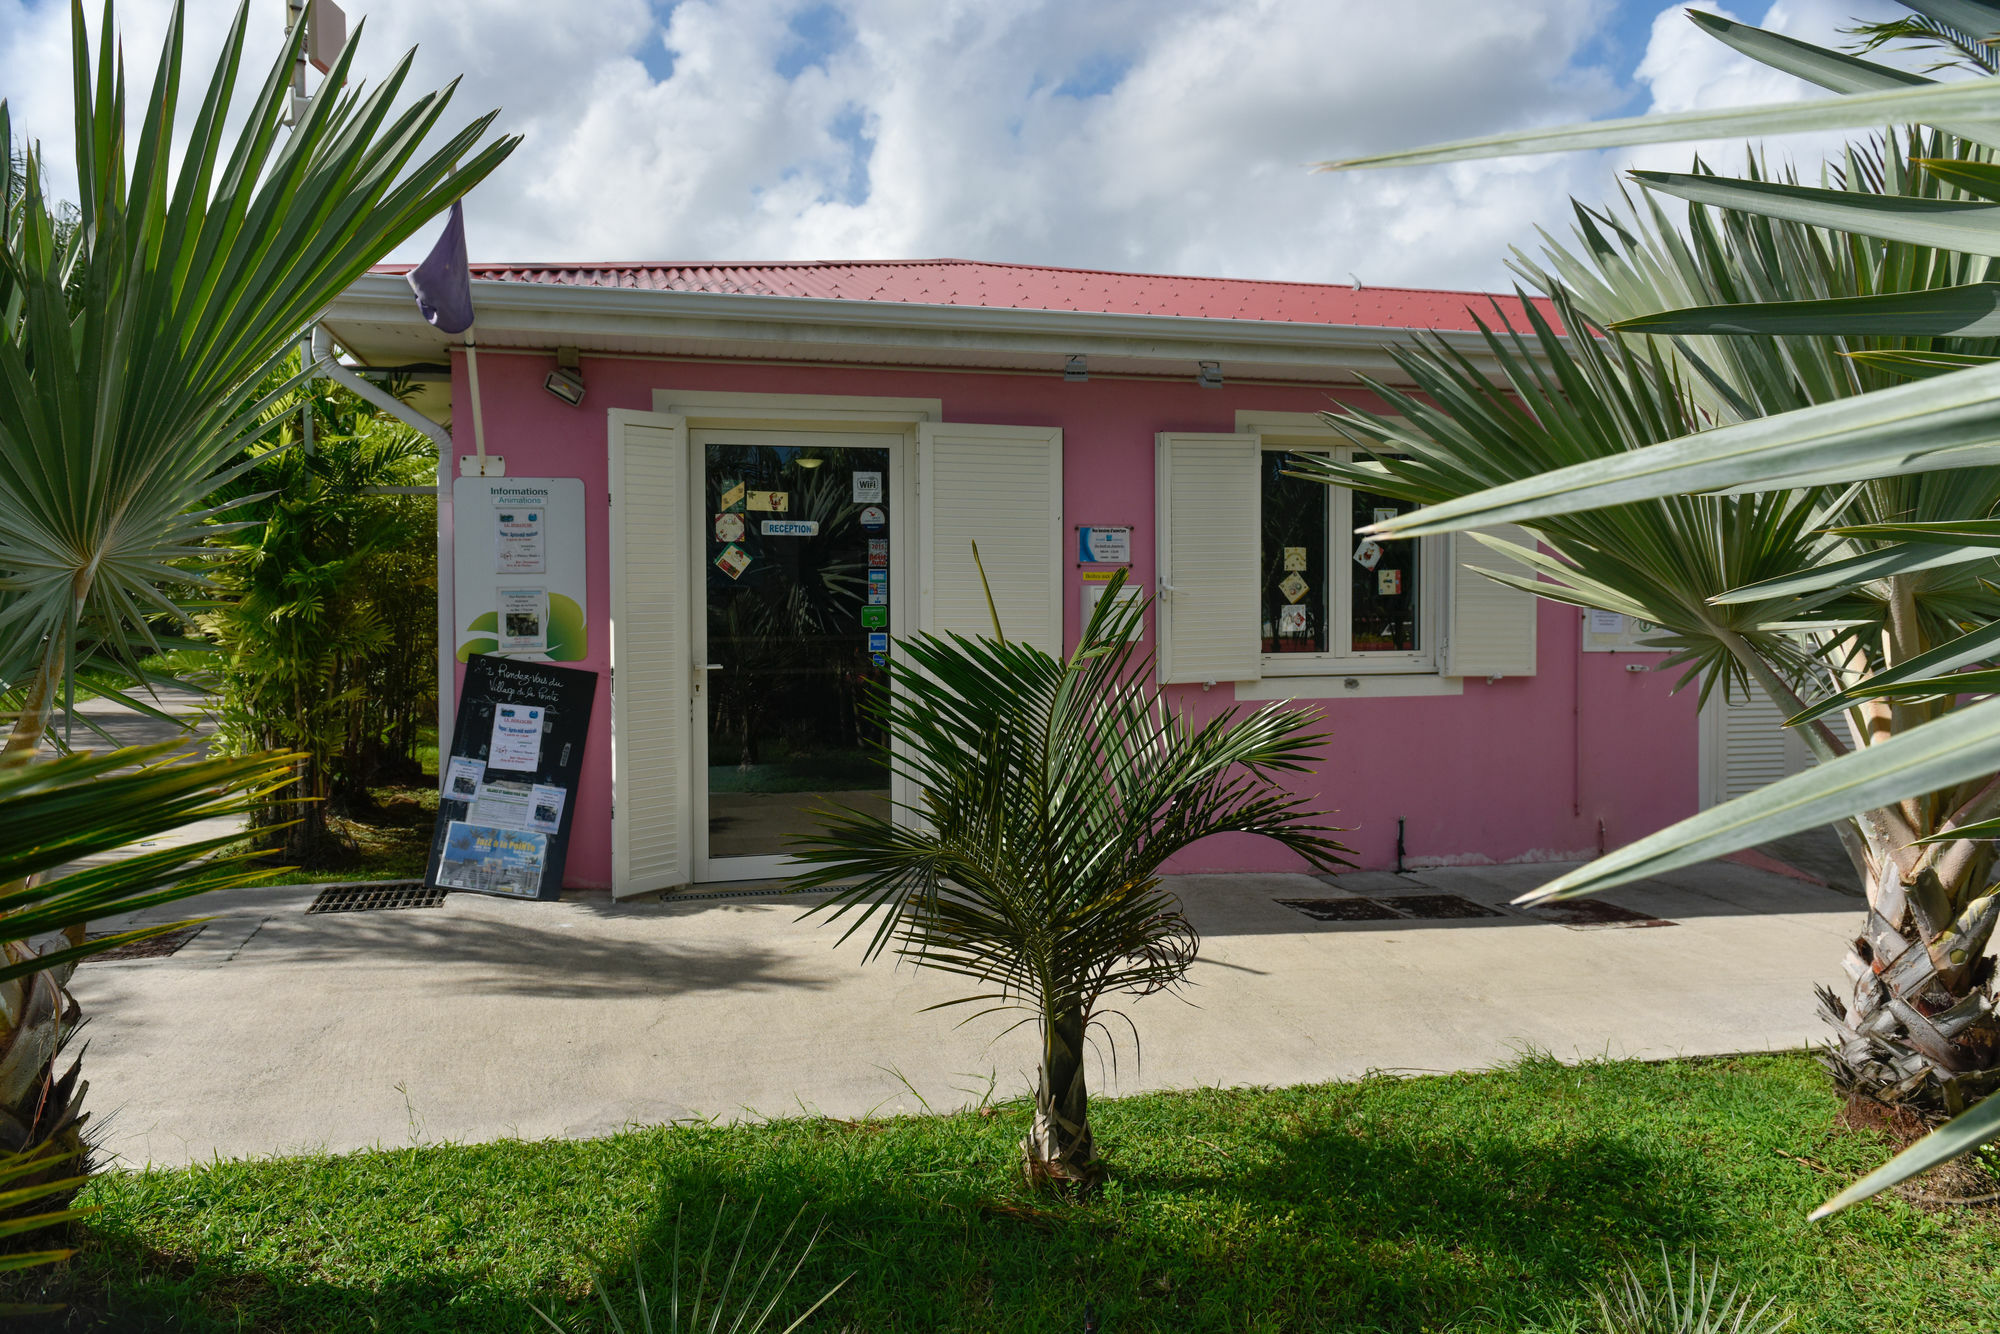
[799,536]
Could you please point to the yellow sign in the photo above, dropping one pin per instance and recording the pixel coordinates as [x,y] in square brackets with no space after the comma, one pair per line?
[771,502]
[732,499]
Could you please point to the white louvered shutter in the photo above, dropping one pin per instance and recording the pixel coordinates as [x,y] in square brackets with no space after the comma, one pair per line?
[651,835]
[1757,747]
[1208,526]
[999,486]
[1491,630]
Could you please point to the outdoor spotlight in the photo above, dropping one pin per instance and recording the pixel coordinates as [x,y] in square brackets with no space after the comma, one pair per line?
[1208,374]
[1076,369]
[566,380]
[566,385]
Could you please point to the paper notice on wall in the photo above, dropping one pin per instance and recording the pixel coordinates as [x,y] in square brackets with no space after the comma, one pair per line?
[545,807]
[1369,554]
[524,620]
[503,805]
[1607,622]
[517,738]
[867,488]
[462,777]
[521,543]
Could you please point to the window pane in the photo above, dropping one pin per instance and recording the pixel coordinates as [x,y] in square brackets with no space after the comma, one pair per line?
[1294,584]
[1385,582]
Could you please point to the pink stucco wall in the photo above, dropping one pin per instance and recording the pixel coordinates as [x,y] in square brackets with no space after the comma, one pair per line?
[1581,755]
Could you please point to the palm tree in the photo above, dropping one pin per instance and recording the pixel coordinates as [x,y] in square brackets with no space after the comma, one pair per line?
[127,340]
[1939,776]
[1051,793]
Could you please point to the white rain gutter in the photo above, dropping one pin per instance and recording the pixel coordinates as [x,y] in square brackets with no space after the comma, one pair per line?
[329,366]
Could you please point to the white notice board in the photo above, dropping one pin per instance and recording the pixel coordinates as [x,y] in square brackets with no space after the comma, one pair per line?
[518,568]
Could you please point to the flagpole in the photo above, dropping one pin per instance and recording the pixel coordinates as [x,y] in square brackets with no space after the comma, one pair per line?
[478,422]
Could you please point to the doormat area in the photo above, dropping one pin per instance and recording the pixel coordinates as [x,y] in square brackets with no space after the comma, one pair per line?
[1582,914]
[376,898]
[1343,910]
[153,947]
[1577,914]
[1439,906]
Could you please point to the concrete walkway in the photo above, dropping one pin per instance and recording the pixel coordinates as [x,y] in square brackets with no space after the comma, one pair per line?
[274,1031]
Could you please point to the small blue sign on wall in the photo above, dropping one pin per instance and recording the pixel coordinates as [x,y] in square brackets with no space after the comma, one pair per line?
[1104,546]
[878,642]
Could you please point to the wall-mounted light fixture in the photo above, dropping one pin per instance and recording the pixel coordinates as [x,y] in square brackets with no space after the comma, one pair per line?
[566,380]
[1076,369]
[1208,374]
[810,461]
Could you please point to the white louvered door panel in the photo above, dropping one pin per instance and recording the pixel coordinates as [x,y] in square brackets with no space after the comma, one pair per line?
[999,486]
[1760,749]
[1209,515]
[650,646]
[1490,628]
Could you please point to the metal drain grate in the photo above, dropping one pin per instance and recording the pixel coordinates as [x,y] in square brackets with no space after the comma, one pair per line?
[1585,913]
[1439,906]
[1342,910]
[153,947]
[376,898]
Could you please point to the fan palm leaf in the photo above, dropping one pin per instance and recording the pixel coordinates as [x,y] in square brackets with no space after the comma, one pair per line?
[127,341]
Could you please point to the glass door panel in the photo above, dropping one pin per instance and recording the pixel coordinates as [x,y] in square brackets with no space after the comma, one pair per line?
[797,615]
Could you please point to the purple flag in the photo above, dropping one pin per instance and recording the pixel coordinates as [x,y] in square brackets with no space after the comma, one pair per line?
[443,283]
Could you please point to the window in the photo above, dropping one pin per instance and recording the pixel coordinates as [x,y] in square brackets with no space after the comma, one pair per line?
[1330,600]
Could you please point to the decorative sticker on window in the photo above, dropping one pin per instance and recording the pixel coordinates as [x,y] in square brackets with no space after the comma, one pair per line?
[732,497]
[1389,583]
[1293,587]
[733,561]
[729,527]
[878,552]
[771,502]
[1383,515]
[1295,559]
[1291,620]
[1369,554]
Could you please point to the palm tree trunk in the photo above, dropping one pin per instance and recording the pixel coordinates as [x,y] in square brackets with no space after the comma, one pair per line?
[1917,1024]
[1059,1147]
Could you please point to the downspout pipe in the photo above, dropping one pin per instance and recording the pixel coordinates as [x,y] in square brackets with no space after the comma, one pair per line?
[327,365]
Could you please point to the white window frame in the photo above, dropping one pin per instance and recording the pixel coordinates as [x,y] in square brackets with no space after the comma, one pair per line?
[1432,555]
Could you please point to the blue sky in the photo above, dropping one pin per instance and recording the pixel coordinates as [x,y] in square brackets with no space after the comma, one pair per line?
[1160,135]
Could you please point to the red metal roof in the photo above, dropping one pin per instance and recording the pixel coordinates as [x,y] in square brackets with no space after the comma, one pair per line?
[960,282]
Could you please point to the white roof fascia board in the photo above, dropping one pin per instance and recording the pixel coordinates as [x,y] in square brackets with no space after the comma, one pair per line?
[565,313]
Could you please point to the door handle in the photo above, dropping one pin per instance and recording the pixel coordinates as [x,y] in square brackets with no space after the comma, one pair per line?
[711,667]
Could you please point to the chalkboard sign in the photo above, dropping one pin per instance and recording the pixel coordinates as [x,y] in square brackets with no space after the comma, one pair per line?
[508,791]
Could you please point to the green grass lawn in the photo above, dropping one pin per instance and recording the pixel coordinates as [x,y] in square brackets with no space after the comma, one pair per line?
[1467,1202]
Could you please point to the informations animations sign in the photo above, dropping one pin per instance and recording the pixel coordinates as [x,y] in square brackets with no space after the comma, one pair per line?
[509,785]
[518,568]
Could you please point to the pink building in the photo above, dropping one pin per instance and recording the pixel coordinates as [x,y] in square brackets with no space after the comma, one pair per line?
[774,467]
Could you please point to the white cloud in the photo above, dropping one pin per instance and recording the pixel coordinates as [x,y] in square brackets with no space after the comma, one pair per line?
[955,127]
